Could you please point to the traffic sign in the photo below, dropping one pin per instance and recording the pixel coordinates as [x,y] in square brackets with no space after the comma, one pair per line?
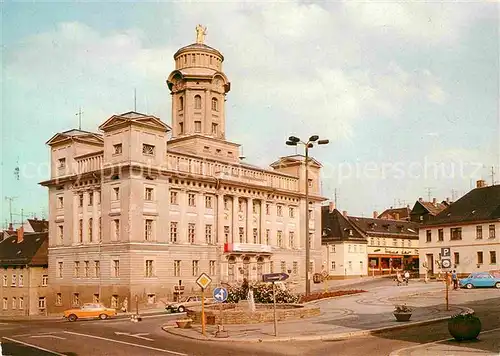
[274,277]
[445,252]
[220,294]
[446,263]
[204,280]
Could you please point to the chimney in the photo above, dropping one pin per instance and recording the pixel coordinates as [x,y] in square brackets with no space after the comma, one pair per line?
[35,218]
[20,235]
[331,206]
[397,216]
[481,183]
[11,228]
[344,213]
[434,201]
[375,214]
[420,199]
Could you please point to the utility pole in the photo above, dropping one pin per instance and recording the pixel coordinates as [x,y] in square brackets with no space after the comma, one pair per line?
[79,114]
[429,192]
[10,199]
[492,174]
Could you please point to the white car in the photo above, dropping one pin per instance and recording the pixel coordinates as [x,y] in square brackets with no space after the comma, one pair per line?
[186,302]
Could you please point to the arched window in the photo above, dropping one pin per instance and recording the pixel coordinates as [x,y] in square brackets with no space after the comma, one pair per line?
[197,102]
[181,103]
[215,104]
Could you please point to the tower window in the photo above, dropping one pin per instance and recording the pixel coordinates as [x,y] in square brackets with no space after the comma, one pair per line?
[215,104]
[197,102]
[197,126]
[215,129]
[181,128]
[181,103]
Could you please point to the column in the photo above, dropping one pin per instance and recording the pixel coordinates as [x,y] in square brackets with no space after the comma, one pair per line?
[85,217]
[249,225]
[182,223]
[220,219]
[74,235]
[262,222]
[95,217]
[200,237]
[234,216]
[206,120]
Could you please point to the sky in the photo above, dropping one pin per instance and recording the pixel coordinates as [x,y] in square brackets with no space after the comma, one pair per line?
[406,92]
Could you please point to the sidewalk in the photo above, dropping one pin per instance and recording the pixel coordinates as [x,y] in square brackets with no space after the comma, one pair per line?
[343,317]
[488,344]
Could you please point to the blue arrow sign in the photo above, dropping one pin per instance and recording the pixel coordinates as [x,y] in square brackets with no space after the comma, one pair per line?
[220,294]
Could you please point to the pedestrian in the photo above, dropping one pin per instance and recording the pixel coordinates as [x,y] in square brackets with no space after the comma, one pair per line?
[407,276]
[454,279]
[399,278]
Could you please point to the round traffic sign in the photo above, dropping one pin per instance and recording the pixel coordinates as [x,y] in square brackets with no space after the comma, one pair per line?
[446,263]
[220,294]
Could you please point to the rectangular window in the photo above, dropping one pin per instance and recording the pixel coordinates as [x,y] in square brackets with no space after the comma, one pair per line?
[279,238]
[5,280]
[148,230]
[440,235]
[173,198]
[148,194]
[240,205]
[241,234]
[91,199]
[14,302]
[491,231]
[428,235]
[291,239]
[80,200]
[117,229]
[80,231]
[310,183]
[181,126]
[60,202]
[117,149]
[197,126]
[58,299]
[116,268]
[21,303]
[191,199]
[60,234]
[148,149]
[91,231]
[173,232]
[215,129]
[21,280]
[208,234]
[493,257]
[283,267]
[42,303]
[295,268]
[255,235]
[291,212]
[97,269]
[195,268]
[59,270]
[255,208]
[5,304]
[479,232]
[45,280]
[177,268]
[480,257]
[191,232]
[116,193]
[208,202]
[226,204]
[456,258]
[268,236]
[279,210]
[114,301]
[226,234]
[271,266]
[268,209]
[86,269]
[456,233]
[76,299]
[95,298]
[211,268]
[149,268]
[333,266]
[76,270]
[62,163]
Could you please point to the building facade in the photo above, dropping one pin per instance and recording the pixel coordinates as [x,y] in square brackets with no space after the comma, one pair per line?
[133,213]
[469,228]
[23,263]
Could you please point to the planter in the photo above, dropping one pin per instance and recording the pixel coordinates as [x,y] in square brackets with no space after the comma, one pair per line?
[184,323]
[402,316]
[464,327]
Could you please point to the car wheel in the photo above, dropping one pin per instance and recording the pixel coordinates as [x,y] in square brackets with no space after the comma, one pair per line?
[103,316]
[181,309]
[497,285]
[469,286]
[72,317]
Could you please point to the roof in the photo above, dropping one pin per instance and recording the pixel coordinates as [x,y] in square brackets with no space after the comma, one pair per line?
[33,250]
[337,227]
[385,228]
[75,134]
[134,117]
[432,208]
[480,204]
[39,225]
[293,160]
[198,47]
[393,213]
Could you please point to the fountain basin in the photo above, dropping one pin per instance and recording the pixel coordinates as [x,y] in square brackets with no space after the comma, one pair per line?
[241,314]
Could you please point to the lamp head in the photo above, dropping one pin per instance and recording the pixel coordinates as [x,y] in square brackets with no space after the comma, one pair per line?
[291,143]
[314,138]
[323,142]
[294,139]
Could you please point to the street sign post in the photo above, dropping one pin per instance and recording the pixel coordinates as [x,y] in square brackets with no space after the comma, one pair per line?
[274,277]
[203,281]
[220,296]
[446,264]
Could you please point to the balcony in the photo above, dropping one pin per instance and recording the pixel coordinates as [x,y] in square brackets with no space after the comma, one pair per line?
[247,248]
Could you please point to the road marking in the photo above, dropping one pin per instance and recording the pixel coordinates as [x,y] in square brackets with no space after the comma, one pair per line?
[55,337]
[33,346]
[30,334]
[396,353]
[126,343]
[139,336]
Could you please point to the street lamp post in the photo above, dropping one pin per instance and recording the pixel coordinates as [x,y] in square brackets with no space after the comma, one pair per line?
[294,141]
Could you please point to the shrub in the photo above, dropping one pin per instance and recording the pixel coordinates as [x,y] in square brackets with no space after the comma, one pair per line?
[262,293]
[402,309]
[323,295]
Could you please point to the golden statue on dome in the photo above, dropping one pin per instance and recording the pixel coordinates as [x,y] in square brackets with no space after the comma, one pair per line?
[200,34]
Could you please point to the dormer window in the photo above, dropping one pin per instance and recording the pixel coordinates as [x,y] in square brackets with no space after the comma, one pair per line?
[117,149]
[215,104]
[148,149]
[62,163]
[197,102]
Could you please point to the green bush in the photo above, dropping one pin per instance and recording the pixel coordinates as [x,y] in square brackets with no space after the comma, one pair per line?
[262,293]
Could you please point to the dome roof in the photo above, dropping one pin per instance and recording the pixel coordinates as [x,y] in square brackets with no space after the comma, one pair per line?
[198,47]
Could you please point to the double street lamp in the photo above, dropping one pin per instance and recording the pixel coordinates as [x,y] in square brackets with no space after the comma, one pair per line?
[295,141]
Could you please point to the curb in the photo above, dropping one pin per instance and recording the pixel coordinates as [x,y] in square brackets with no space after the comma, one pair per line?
[36,318]
[324,337]
[336,297]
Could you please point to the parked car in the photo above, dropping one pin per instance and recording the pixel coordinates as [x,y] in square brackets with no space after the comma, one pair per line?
[480,280]
[186,302]
[89,311]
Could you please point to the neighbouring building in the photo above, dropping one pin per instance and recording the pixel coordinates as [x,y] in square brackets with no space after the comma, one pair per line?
[367,245]
[424,211]
[395,214]
[23,263]
[469,228]
[133,213]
